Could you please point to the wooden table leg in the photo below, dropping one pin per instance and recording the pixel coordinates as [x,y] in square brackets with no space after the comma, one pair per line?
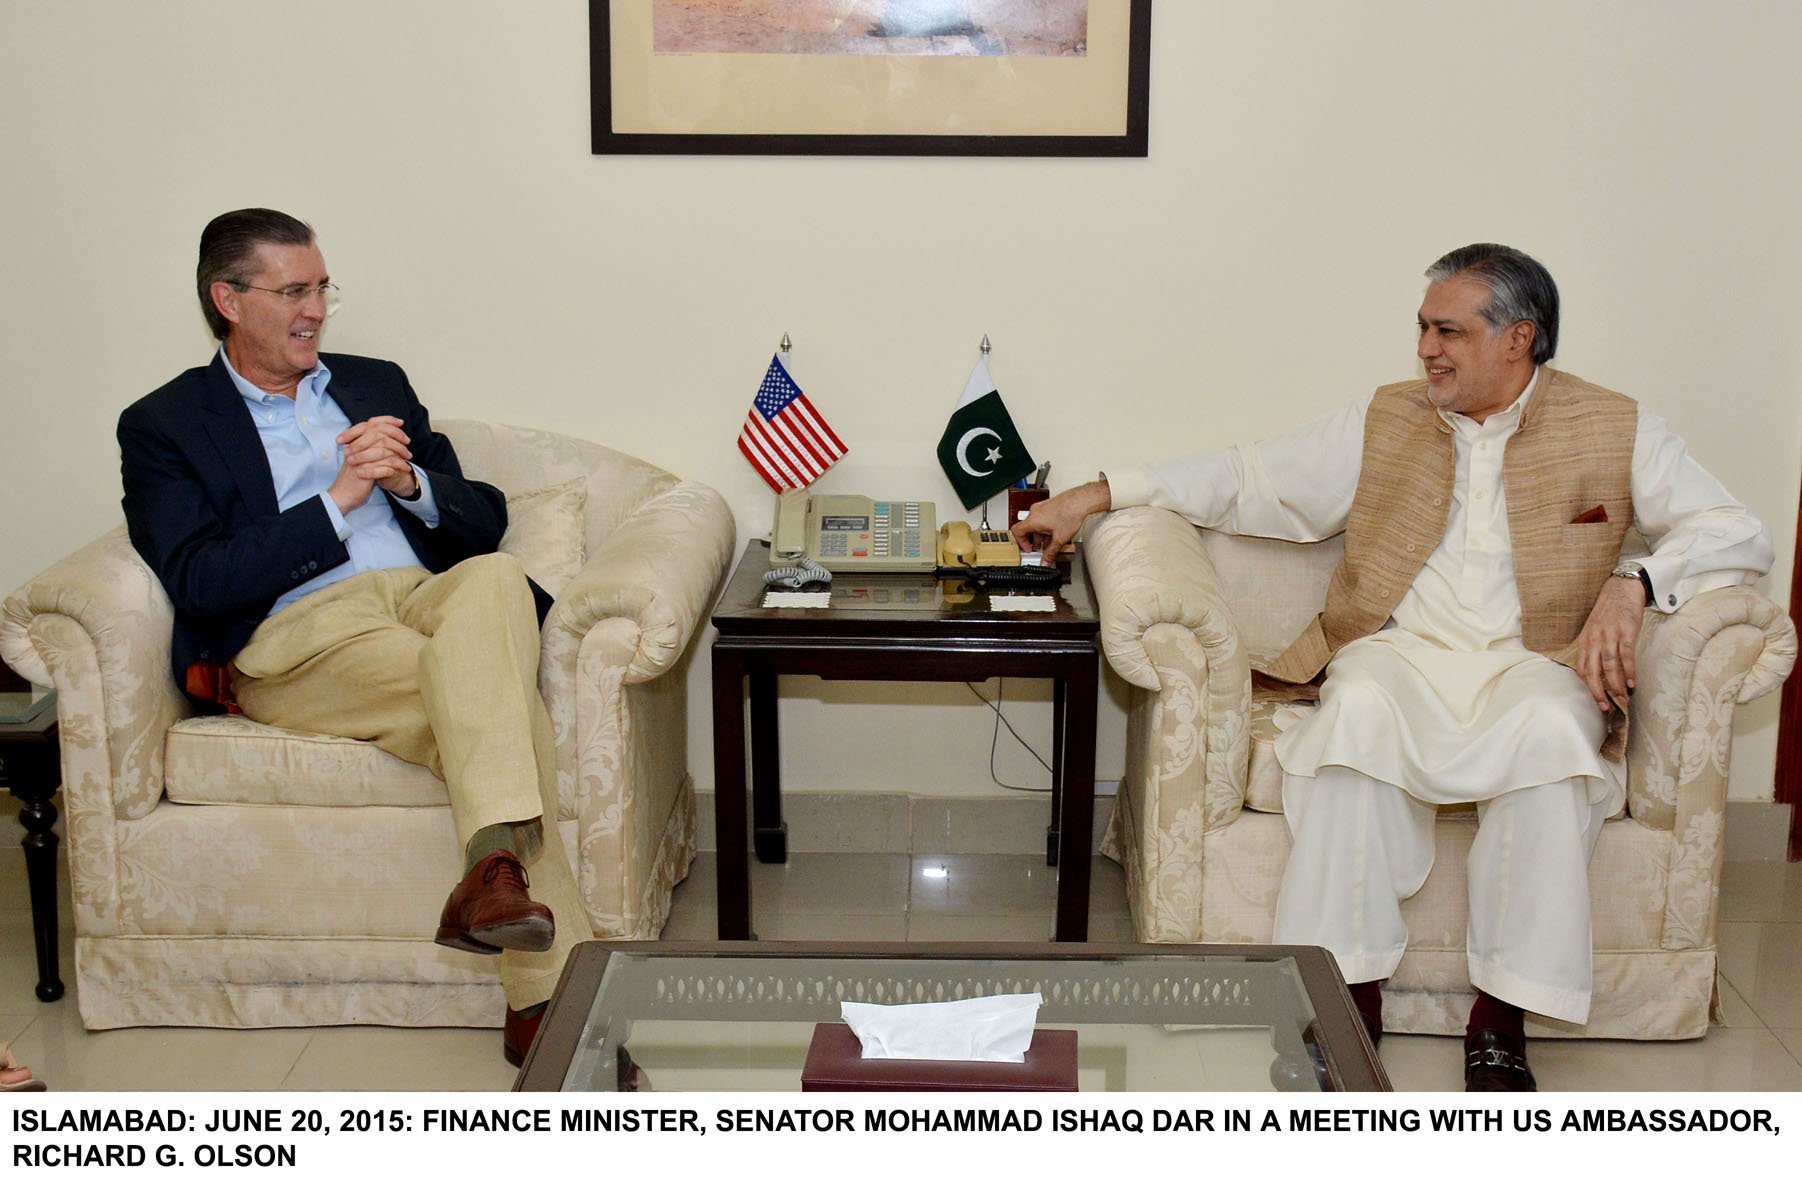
[1078,815]
[769,834]
[38,817]
[30,768]
[729,818]
[1057,770]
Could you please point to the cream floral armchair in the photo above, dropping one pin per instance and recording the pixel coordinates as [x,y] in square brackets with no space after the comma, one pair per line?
[231,874]
[1187,612]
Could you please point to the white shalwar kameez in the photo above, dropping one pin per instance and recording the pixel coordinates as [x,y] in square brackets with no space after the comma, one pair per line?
[1446,703]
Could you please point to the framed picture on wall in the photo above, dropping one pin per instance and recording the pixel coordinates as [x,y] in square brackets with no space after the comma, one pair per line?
[870,77]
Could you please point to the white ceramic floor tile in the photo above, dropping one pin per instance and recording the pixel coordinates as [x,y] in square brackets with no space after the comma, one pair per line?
[1113,930]
[1761,890]
[1726,1059]
[831,927]
[1008,885]
[1735,1011]
[830,883]
[402,1060]
[14,897]
[985,826]
[1791,1039]
[19,967]
[1423,1064]
[993,927]
[701,883]
[1736,950]
[1772,982]
[863,823]
[70,1058]
[1107,889]
[692,923]
[876,897]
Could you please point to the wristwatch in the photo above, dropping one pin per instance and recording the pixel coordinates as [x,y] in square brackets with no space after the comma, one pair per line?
[1637,572]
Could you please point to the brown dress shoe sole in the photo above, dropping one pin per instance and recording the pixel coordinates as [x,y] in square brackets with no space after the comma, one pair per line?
[456,939]
[532,935]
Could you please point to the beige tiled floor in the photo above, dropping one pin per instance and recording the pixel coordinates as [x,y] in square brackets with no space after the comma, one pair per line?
[922,897]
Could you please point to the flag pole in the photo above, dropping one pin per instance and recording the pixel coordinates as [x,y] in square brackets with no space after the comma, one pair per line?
[985,503]
[783,498]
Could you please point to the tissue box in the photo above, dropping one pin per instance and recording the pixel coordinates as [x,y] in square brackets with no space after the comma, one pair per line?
[835,1064]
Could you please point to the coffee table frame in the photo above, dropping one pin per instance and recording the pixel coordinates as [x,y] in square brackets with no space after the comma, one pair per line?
[1349,1059]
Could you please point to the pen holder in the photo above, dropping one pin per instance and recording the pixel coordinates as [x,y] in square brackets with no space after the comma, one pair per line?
[1020,501]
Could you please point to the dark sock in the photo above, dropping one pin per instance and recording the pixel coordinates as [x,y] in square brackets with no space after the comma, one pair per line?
[522,839]
[1491,1012]
[1367,997]
[534,1009]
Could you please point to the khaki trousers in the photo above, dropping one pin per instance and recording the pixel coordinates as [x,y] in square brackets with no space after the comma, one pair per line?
[440,671]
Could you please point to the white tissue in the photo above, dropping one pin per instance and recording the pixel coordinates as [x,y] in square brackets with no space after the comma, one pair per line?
[993,1027]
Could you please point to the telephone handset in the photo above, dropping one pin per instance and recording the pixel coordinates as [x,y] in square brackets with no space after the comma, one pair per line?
[854,532]
[963,547]
[988,557]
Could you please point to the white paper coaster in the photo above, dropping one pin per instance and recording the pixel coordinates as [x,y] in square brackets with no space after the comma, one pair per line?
[1022,603]
[779,599]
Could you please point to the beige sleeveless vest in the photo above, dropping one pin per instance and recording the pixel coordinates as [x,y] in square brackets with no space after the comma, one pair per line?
[1572,454]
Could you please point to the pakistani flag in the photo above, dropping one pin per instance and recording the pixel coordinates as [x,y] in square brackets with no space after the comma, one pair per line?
[980,450]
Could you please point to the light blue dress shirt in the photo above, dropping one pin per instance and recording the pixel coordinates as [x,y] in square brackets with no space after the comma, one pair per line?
[299,434]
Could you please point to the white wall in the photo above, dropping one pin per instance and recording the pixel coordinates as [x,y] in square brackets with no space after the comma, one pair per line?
[1308,159]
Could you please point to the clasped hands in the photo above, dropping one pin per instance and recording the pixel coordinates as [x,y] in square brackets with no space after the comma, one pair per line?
[375,455]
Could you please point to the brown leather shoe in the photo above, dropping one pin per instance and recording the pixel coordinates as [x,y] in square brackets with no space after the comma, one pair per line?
[518,1032]
[490,911]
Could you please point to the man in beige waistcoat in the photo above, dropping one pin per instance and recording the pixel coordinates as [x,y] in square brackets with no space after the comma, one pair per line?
[1477,640]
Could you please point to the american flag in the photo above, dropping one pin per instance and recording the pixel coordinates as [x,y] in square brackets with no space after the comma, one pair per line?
[785,437]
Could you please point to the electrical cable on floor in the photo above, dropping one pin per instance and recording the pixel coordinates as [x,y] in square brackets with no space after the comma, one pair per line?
[995,738]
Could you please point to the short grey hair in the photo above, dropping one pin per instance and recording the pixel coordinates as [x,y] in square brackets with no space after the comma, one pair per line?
[228,247]
[1519,288]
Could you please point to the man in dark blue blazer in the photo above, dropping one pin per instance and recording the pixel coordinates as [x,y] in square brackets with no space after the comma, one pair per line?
[333,571]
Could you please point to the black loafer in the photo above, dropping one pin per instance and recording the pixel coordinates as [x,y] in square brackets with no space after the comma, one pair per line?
[1496,1062]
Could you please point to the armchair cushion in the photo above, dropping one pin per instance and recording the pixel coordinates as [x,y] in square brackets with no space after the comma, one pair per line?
[544,533]
[235,760]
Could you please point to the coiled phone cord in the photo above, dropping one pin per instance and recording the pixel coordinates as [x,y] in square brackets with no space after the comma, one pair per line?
[793,577]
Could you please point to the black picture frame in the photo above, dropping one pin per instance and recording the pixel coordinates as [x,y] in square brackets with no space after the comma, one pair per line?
[1132,142]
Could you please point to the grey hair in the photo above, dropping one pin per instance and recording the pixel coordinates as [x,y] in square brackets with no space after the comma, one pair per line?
[1519,288]
[228,247]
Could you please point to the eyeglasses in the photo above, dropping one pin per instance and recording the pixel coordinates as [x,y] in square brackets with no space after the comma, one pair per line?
[297,293]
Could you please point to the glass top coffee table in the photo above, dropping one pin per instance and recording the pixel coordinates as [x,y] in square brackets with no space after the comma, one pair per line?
[721,1016]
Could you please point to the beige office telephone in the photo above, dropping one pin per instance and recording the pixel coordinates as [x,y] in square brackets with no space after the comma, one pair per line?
[854,532]
[989,558]
[964,547]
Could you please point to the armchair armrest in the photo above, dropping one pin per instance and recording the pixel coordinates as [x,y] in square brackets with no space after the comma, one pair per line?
[1148,567]
[96,625]
[657,572]
[1167,628]
[1721,649]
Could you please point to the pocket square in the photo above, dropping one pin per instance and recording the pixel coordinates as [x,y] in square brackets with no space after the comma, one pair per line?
[1595,515]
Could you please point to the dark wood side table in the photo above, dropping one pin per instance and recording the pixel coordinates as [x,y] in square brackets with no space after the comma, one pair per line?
[30,768]
[887,626]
